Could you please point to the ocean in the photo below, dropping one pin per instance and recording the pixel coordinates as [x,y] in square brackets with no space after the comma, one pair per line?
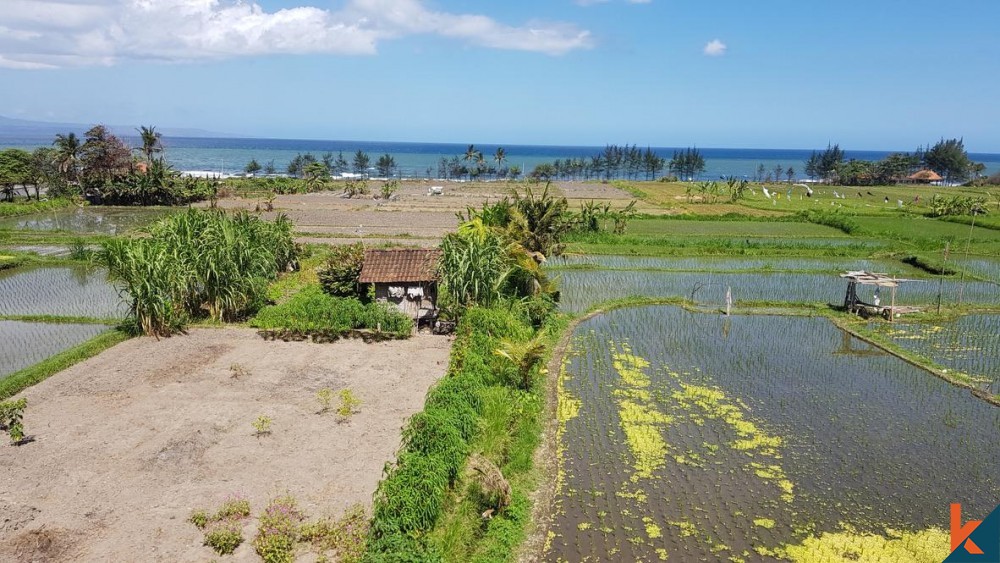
[227,156]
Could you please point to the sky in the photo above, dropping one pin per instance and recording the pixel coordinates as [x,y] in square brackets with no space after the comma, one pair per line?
[869,75]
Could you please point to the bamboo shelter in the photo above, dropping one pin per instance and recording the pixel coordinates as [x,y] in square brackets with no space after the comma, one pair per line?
[854,304]
[924,177]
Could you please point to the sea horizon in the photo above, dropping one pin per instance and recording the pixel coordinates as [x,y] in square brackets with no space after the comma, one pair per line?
[230,155]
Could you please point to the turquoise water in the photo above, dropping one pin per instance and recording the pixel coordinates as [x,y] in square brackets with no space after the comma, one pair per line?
[228,156]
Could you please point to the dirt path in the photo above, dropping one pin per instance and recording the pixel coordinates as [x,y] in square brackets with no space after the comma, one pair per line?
[128,443]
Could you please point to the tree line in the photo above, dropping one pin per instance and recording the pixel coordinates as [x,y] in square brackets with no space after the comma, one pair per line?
[101,167]
[948,158]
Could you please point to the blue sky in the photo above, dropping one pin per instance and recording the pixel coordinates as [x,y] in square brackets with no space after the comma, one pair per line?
[866,74]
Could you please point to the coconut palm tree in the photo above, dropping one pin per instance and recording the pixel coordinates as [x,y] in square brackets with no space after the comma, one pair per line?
[500,157]
[68,154]
[151,141]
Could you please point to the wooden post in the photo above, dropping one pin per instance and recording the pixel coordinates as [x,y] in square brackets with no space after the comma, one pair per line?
[892,304]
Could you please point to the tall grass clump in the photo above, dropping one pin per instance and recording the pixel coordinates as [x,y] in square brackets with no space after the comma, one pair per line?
[199,264]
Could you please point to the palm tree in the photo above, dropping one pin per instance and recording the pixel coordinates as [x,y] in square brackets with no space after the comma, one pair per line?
[470,154]
[500,157]
[68,154]
[150,141]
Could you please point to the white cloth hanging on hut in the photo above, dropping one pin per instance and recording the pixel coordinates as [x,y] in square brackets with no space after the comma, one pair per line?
[415,292]
[397,291]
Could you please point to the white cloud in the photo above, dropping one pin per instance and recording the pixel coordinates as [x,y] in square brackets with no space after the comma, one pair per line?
[715,48]
[59,33]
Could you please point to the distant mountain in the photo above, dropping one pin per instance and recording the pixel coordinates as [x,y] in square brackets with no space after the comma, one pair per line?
[44,129]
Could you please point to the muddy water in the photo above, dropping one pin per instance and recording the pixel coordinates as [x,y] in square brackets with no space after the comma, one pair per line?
[696,437]
[88,220]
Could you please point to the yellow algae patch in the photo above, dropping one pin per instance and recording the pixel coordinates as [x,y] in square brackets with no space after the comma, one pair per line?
[569,407]
[638,495]
[764,523]
[634,413]
[652,530]
[641,420]
[751,439]
[686,528]
[661,553]
[927,546]
[647,446]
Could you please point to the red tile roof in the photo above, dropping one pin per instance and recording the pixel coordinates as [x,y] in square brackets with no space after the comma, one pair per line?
[406,265]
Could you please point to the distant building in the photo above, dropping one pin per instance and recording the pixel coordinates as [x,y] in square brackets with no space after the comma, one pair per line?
[407,278]
[924,177]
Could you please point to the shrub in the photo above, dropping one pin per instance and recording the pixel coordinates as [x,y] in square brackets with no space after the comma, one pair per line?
[339,274]
[434,433]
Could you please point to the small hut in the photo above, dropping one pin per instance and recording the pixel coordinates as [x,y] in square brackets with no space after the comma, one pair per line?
[924,177]
[407,278]
[854,304]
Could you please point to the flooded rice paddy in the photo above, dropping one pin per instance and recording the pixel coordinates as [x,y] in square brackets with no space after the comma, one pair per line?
[582,289]
[686,436]
[23,344]
[68,291]
[970,344]
[88,220]
[723,264]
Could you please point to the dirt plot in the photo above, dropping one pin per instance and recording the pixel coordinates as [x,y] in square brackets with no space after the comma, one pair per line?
[128,443]
[412,216]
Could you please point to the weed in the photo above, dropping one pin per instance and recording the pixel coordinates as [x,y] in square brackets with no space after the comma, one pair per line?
[224,537]
[224,528]
[325,398]
[12,419]
[234,507]
[345,536]
[278,531]
[262,425]
[348,405]
[236,371]
[200,519]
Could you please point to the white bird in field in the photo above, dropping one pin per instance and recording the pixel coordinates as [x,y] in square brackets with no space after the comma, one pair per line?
[767,194]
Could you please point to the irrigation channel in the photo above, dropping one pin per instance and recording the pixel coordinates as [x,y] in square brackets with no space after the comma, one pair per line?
[690,436]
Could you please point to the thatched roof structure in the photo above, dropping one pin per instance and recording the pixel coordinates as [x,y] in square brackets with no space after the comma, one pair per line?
[871,278]
[400,265]
[925,176]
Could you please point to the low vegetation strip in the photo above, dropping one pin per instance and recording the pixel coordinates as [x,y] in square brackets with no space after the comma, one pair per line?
[15,209]
[311,313]
[439,504]
[29,376]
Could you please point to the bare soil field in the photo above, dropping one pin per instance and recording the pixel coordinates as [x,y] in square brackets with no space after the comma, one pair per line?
[411,217]
[128,443]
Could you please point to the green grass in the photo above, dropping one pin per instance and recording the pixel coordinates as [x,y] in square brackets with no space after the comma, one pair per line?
[29,376]
[59,319]
[310,312]
[730,228]
[13,209]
